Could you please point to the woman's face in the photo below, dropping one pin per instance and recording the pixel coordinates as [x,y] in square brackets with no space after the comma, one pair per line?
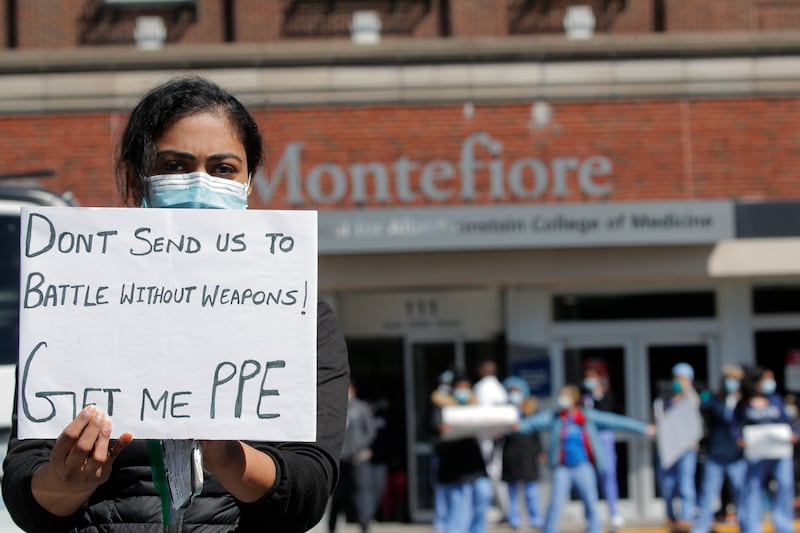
[205,142]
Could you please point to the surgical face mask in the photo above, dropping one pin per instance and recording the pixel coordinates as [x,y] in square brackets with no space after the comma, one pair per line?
[768,387]
[589,384]
[196,189]
[677,386]
[731,385]
[462,396]
[515,397]
[564,402]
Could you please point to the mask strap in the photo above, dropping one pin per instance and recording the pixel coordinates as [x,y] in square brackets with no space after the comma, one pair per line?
[247,189]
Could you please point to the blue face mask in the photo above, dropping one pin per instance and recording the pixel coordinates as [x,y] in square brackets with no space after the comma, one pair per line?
[196,189]
[516,397]
[462,396]
[768,387]
[589,384]
[731,385]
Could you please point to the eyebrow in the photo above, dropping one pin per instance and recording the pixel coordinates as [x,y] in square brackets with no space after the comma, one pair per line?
[187,155]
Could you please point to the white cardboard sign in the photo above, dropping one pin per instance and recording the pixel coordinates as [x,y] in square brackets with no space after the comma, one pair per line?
[478,420]
[767,441]
[678,429]
[179,323]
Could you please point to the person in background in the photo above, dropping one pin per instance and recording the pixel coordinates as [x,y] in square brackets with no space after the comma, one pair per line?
[490,391]
[793,412]
[355,482]
[521,456]
[379,462]
[761,405]
[678,481]
[574,445]
[598,395]
[724,457]
[441,397]
[188,143]
[462,470]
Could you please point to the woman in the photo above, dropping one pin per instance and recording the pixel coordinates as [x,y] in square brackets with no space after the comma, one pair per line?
[188,143]
[521,454]
[598,395]
[441,397]
[678,480]
[574,447]
[761,405]
[724,457]
[462,471]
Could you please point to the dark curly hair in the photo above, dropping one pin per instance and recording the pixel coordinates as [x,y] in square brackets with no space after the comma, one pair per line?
[159,110]
[752,375]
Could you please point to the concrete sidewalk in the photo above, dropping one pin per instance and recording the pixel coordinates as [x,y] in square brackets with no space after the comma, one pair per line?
[395,527]
[566,527]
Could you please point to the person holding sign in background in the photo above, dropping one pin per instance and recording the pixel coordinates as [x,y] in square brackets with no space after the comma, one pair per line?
[677,475]
[461,470]
[187,144]
[767,435]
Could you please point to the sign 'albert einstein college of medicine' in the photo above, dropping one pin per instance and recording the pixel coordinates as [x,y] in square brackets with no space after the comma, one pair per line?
[490,224]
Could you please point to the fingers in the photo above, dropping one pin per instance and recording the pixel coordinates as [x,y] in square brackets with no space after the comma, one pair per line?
[67,440]
[85,440]
[91,439]
[120,444]
[106,451]
[101,444]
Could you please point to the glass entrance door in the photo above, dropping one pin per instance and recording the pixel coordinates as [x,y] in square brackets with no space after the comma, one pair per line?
[425,360]
[661,356]
[639,362]
[609,362]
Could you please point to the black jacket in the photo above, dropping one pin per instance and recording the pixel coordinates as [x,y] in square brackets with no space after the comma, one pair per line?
[306,472]
[460,460]
[721,442]
[521,454]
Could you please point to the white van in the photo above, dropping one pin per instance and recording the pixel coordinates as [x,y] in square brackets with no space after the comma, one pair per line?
[11,199]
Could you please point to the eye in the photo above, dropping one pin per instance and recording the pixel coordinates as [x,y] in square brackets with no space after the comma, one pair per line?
[175,166]
[225,170]
[170,166]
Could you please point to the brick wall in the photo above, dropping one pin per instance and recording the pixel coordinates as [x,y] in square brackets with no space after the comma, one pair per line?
[660,150]
[71,23]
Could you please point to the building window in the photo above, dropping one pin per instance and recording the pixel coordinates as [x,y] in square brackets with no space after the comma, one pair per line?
[634,306]
[333,18]
[774,299]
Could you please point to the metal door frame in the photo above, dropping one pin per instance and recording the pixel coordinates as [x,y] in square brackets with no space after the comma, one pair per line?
[417,514]
[636,337]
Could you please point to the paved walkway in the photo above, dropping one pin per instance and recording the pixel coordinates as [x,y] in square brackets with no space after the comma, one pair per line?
[566,527]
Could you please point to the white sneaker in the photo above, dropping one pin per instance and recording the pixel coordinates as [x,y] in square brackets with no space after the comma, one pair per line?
[617,521]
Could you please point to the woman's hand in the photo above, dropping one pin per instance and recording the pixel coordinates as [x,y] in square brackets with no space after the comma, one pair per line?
[245,472]
[80,461]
